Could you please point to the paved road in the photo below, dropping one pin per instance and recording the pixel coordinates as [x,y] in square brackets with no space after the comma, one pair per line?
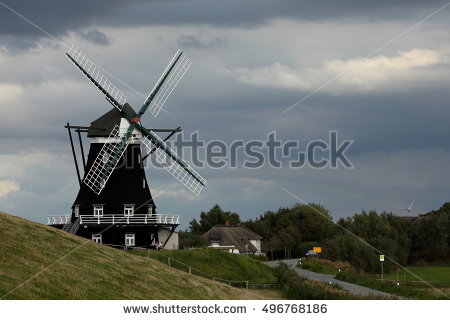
[353,288]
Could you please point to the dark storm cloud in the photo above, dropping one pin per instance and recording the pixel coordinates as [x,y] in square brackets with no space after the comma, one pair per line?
[60,17]
[95,36]
[190,41]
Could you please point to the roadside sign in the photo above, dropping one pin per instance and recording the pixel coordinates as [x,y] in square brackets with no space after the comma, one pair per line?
[381,257]
[317,249]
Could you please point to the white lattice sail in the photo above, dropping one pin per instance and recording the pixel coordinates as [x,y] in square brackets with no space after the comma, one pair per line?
[107,160]
[94,74]
[174,164]
[167,82]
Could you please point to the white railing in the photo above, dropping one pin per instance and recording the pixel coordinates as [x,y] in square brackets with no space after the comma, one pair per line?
[61,219]
[137,219]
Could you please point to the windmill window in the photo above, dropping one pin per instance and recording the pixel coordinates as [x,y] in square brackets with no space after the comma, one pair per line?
[139,158]
[76,211]
[128,210]
[98,210]
[143,183]
[150,209]
[130,239]
[97,238]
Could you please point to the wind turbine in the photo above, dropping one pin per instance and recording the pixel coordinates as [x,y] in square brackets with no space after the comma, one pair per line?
[409,209]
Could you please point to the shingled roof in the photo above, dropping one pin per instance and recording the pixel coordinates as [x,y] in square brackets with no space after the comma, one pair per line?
[233,235]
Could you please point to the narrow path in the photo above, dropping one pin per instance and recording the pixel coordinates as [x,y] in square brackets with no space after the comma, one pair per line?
[352,288]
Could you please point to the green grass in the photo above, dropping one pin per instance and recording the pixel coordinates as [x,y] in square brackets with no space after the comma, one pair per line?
[410,291]
[318,267]
[227,266]
[40,262]
[439,274]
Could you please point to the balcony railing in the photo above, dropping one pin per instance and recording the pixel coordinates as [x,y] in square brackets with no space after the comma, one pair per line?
[61,219]
[137,219]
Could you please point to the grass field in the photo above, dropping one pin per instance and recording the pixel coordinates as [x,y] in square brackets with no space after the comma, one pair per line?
[410,290]
[40,262]
[439,277]
[227,266]
[439,274]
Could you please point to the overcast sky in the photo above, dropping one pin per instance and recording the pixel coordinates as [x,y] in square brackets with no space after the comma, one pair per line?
[377,72]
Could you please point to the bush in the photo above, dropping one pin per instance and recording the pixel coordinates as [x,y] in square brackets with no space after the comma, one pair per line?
[258,257]
[191,240]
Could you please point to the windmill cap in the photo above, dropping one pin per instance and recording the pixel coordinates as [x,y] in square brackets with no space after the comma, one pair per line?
[103,126]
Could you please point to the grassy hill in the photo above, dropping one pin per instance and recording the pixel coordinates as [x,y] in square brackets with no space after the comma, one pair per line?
[40,262]
[219,264]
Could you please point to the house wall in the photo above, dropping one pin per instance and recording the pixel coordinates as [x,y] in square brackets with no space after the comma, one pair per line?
[172,244]
[257,244]
[115,235]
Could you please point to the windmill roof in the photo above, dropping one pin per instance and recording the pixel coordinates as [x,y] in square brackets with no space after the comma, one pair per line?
[233,235]
[103,126]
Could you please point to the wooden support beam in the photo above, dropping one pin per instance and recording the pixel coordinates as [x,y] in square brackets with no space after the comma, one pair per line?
[74,154]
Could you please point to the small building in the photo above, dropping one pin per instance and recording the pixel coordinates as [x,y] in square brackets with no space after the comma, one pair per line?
[234,239]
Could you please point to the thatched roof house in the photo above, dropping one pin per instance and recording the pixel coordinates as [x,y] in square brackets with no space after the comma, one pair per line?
[231,236]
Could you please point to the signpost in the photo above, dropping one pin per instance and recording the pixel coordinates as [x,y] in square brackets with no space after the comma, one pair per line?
[382,260]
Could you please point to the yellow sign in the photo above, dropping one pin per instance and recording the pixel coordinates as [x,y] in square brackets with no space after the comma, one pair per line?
[381,257]
[317,249]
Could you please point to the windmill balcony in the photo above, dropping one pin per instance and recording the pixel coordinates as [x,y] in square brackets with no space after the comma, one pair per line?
[154,219]
[60,219]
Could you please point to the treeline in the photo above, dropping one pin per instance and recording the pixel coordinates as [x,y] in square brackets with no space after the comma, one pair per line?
[359,239]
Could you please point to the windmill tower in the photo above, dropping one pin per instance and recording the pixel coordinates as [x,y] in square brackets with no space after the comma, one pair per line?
[114,204]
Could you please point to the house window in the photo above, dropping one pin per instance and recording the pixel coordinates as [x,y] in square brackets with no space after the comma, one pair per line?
[129,239]
[97,238]
[76,211]
[150,210]
[98,210]
[128,210]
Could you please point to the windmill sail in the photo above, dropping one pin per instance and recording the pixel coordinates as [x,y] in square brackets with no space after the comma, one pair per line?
[176,166]
[117,142]
[166,83]
[107,160]
[93,73]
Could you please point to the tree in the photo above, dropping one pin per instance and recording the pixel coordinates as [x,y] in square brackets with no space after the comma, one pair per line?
[271,245]
[430,237]
[215,216]
[191,240]
[289,238]
[385,232]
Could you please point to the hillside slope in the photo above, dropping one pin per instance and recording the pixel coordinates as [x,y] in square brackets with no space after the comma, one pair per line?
[40,262]
[216,263]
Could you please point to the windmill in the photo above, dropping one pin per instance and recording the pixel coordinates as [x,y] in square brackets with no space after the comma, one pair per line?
[114,204]
[409,209]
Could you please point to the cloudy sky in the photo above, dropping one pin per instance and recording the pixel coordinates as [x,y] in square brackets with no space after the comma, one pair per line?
[377,72]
